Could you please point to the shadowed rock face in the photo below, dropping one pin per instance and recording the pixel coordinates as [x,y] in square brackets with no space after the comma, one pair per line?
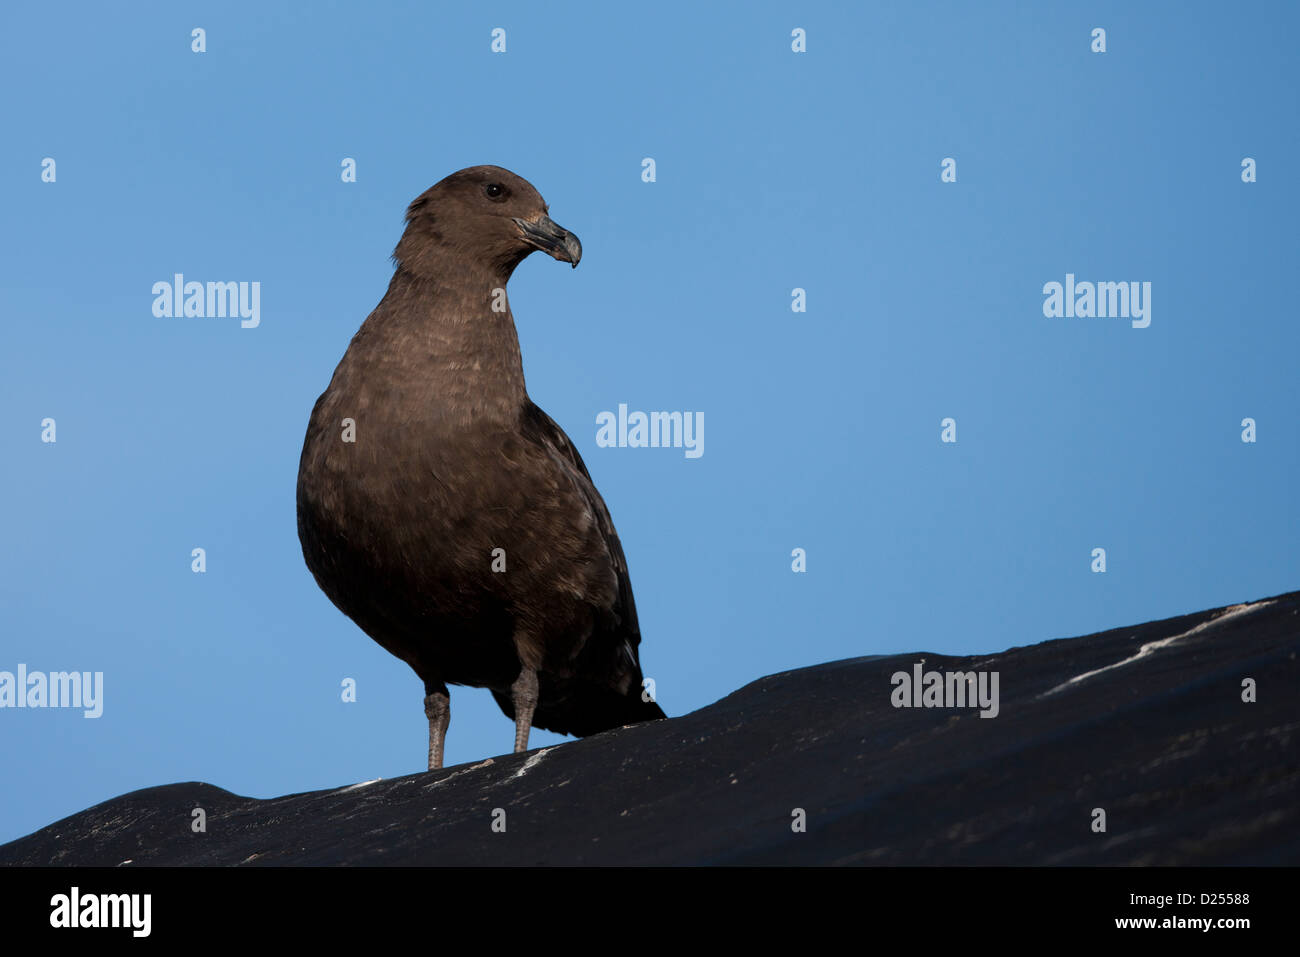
[1159,738]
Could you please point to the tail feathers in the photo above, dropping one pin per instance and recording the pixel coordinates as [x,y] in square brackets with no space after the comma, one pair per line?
[584,708]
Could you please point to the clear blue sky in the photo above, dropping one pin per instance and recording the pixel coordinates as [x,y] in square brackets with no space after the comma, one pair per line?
[775,170]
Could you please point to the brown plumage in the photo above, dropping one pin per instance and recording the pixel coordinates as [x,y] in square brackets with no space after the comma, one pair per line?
[450,461]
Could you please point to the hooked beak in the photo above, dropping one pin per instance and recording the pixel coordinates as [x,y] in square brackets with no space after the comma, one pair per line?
[551,238]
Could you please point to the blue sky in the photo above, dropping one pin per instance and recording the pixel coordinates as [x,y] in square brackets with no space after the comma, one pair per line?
[774,170]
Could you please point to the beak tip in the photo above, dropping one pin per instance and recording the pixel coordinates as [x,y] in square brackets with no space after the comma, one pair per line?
[556,241]
[573,248]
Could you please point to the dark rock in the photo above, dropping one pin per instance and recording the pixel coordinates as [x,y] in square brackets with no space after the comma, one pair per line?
[1186,772]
